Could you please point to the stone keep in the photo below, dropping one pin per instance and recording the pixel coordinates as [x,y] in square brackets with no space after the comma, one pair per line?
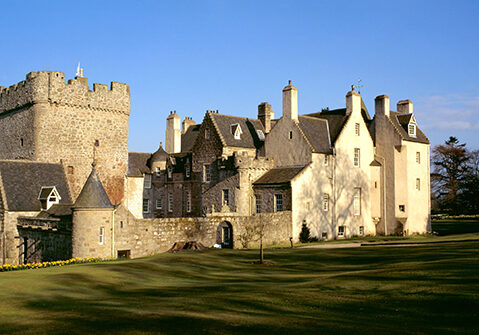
[44,119]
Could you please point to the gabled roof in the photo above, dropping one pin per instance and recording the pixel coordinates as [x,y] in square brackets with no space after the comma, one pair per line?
[337,118]
[400,122]
[279,176]
[46,191]
[249,138]
[93,195]
[189,138]
[315,130]
[22,181]
[138,164]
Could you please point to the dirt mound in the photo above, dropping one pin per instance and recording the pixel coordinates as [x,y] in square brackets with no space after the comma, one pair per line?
[187,246]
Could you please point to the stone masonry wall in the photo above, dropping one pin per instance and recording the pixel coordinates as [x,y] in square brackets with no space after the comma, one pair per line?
[145,237]
[45,245]
[59,121]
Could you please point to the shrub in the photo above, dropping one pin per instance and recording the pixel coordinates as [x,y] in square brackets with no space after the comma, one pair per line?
[304,235]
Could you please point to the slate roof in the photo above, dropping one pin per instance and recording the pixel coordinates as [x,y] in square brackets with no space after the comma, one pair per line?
[249,138]
[189,138]
[56,210]
[23,180]
[316,132]
[337,118]
[401,121]
[93,195]
[138,164]
[278,176]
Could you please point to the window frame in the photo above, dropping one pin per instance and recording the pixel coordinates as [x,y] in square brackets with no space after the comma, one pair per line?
[325,202]
[341,231]
[158,201]
[357,129]
[101,235]
[412,127]
[357,158]
[147,202]
[418,184]
[188,201]
[147,181]
[170,202]
[206,173]
[326,160]
[418,157]
[225,197]
[278,202]
[257,203]
[357,201]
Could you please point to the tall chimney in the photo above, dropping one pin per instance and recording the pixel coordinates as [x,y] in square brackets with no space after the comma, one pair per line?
[265,115]
[353,102]
[290,102]
[405,106]
[187,122]
[381,105]
[173,133]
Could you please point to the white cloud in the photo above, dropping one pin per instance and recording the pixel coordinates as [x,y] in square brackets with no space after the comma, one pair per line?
[449,112]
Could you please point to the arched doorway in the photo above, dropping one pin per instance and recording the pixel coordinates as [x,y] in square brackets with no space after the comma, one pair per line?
[224,235]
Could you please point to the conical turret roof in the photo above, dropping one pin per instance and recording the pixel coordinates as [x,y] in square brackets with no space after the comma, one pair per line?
[159,155]
[93,195]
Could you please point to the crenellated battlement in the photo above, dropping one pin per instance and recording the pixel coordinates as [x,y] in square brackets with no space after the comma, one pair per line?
[50,87]
[244,161]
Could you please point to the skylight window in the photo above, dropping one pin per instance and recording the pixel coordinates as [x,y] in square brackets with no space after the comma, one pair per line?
[260,134]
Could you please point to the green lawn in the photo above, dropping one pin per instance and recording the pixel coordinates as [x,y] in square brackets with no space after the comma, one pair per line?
[431,289]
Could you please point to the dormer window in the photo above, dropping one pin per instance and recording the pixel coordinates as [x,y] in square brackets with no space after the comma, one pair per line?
[236,131]
[412,130]
[48,197]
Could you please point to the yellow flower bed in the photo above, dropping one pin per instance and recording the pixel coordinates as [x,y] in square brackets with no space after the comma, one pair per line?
[77,260]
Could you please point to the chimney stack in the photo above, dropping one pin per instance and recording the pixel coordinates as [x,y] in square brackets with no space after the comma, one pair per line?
[187,122]
[405,107]
[381,105]
[353,102]
[290,102]
[265,115]
[173,133]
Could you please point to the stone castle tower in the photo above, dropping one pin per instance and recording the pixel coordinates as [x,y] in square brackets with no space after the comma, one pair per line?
[44,119]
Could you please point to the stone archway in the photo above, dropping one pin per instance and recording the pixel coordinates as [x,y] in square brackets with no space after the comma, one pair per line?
[224,235]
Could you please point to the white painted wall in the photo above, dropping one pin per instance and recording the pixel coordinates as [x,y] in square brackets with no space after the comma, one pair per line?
[419,205]
[307,190]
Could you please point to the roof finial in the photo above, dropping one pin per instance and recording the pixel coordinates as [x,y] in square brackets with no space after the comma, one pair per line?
[289,82]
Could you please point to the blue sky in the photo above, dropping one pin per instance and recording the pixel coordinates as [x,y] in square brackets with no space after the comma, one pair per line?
[191,56]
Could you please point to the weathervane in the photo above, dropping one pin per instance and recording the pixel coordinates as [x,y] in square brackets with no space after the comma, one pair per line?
[358,86]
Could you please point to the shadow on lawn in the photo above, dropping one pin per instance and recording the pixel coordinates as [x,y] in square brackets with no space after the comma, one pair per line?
[376,290]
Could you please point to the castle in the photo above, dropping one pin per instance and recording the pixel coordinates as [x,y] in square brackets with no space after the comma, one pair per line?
[340,172]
